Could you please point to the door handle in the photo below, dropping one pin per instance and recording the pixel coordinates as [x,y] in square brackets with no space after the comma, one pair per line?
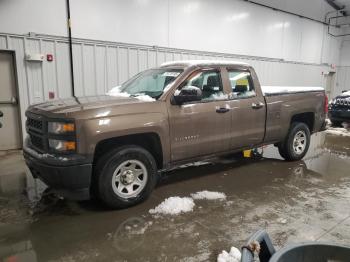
[13,101]
[257,105]
[222,110]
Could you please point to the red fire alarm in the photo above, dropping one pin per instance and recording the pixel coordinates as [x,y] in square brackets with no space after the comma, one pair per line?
[51,95]
[49,57]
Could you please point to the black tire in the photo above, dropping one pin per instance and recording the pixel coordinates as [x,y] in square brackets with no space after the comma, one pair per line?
[104,172]
[286,148]
[336,123]
[281,151]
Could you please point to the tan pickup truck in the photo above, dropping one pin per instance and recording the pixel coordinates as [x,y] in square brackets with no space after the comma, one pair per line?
[114,146]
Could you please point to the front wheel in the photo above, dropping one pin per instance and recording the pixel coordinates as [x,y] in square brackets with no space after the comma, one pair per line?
[125,176]
[297,142]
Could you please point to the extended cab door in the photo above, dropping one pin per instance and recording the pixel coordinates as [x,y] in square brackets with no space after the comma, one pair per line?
[201,127]
[248,109]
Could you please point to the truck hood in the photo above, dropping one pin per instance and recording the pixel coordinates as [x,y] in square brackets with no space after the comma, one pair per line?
[75,105]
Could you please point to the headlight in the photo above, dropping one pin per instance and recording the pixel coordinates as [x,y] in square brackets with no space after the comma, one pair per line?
[61,127]
[62,145]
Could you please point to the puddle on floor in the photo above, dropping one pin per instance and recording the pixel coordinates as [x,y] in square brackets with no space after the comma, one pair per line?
[293,201]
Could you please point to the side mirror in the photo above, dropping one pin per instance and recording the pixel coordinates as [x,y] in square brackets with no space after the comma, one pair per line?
[187,94]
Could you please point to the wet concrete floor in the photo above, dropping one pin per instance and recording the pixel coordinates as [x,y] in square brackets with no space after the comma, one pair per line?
[306,200]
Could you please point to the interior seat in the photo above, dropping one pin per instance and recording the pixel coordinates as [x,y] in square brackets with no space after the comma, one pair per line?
[212,86]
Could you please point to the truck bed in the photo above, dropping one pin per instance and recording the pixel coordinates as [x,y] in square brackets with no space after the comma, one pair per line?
[285,101]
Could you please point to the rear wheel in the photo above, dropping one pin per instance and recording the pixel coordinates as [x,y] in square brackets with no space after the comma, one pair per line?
[125,176]
[297,142]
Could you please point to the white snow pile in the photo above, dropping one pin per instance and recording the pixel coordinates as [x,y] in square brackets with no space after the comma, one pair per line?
[115,91]
[174,206]
[271,90]
[338,131]
[233,256]
[209,195]
[145,98]
[177,205]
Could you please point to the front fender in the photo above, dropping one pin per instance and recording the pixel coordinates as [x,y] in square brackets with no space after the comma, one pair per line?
[92,131]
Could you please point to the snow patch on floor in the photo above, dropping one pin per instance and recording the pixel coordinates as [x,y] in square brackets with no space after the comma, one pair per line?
[233,256]
[209,195]
[174,206]
[338,131]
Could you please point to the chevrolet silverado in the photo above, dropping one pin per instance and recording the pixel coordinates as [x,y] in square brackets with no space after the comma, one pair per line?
[114,146]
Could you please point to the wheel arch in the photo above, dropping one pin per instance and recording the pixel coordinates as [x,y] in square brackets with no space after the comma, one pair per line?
[307,118]
[149,141]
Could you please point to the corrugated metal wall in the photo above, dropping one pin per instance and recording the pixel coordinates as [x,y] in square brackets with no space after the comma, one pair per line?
[343,79]
[99,66]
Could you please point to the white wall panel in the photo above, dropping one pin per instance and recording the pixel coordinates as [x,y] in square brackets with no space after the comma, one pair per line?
[112,65]
[23,16]
[49,70]
[132,21]
[311,42]
[123,59]
[133,62]
[343,79]
[63,70]
[345,53]
[225,26]
[89,70]
[34,72]
[78,61]
[101,69]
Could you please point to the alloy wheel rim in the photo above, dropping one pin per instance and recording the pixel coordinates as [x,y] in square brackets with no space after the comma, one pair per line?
[299,142]
[129,178]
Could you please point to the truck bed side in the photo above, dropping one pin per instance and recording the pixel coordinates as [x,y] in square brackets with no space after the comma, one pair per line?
[282,109]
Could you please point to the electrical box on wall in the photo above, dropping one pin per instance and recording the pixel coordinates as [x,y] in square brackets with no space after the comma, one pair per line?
[34,57]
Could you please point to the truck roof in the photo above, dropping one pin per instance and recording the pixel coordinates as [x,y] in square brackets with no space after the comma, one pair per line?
[188,63]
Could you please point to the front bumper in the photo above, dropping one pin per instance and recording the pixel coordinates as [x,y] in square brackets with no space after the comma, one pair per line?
[68,176]
[339,115]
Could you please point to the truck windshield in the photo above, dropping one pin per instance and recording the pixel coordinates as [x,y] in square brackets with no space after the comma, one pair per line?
[151,83]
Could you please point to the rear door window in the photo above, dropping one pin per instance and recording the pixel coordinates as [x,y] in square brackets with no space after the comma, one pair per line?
[241,84]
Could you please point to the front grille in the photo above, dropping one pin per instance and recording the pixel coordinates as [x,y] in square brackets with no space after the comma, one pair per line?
[36,128]
[343,102]
[35,123]
[37,141]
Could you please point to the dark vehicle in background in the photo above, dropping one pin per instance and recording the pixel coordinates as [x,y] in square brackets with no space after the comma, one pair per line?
[339,109]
